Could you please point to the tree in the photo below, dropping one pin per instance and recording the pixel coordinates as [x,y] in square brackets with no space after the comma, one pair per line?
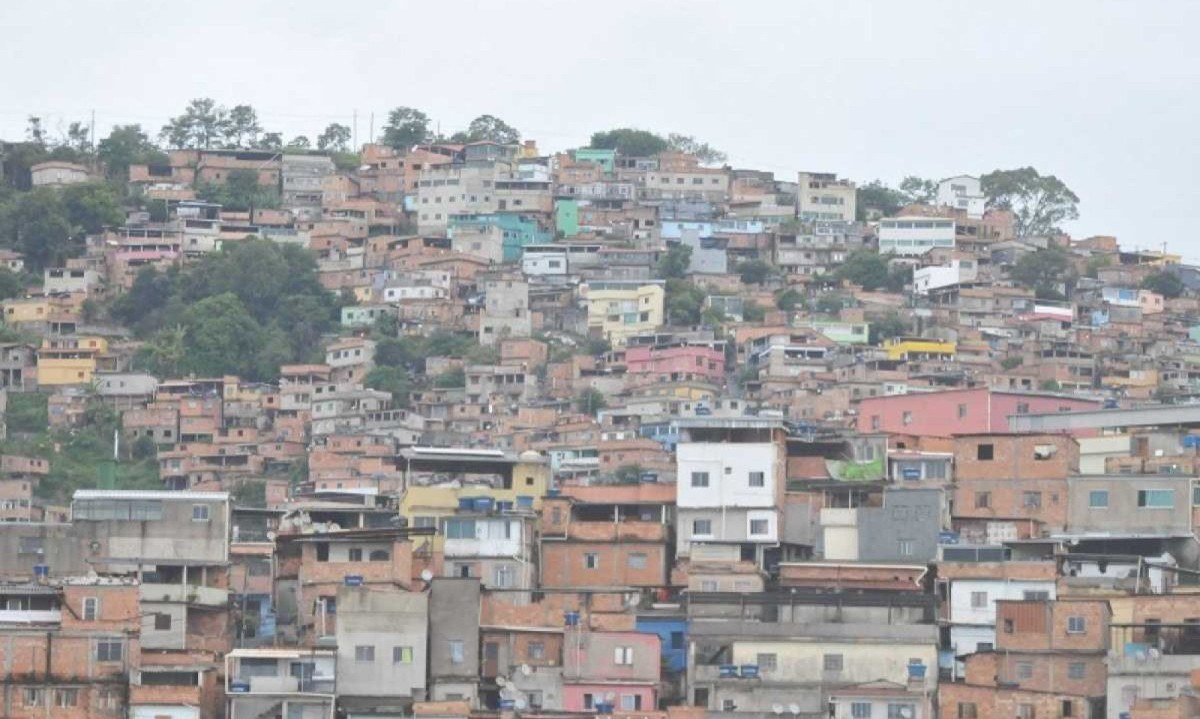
[886,327]
[167,349]
[202,125]
[242,128]
[335,138]
[1050,385]
[127,145]
[36,224]
[493,129]
[34,132]
[405,127]
[270,141]
[675,263]
[870,271]
[753,272]
[707,154]
[1042,271]
[590,401]
[683,302]
[918,190]
[92,206]
[10,284]
[789,299]
[829,304]
[240,192]
[390,379]
[78,138]
[754,312]
[451,378]
[630,142]
[1038,203]
[299,142]
[1164,283]
[875,195]
[221,338]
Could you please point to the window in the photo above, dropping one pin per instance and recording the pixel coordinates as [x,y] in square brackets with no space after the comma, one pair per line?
[637,560]
[1156,498]
[623,656]
[162,622]
[1031,595]
[199,512]
[1077,670]
[905,547]
[1196,495]
[460,529]
[402,655]
[456,651]
[962,411]
[1009,626]
[1076,625]
[631,702]
[1025,711]
[378,555]
[67,697]
[535,699]
[767,662]
[591,560]
[985,452]
[983,500]
[355,554]
[1024,670]
[364,653]
[1068,708]
[757,479]
[32,697]
[901,711]
[109,650]
[906,417]
[832,662]
[699,479]
[760,527]
[535,651]
[323,552]
[589,701]
[728,705]
[702,527]
[860,710]
[1098,499]
[1031,500]
[979,600]
[91,608]
[967,710]
[708,585]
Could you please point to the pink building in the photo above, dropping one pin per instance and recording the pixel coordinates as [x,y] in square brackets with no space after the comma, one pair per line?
[677,363]
[617,668]
[958,411]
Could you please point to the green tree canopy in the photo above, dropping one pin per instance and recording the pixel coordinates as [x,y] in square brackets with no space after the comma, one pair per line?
[1164,283]
[629,141]
[405,128]
[789,300]
[870,271]
[1039,203]
[886,327]
[127,145]
[390,379]
[334,138]
[674,263]
[1043,271]
[753,272]
[683,303]
[203,124]
[241,127]
[707,154]
[491,128]
[590,401]
[241,192]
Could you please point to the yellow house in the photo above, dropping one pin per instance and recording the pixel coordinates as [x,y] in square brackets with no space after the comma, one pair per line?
[620,309]
[69,360]
[437,482]
[904,348]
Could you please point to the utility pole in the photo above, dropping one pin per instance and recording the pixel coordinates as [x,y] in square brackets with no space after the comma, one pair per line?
[355,135]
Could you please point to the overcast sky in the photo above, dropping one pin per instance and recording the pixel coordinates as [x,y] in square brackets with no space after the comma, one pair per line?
[1101,93]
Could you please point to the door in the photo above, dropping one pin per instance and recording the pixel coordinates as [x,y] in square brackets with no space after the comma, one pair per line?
[491,659]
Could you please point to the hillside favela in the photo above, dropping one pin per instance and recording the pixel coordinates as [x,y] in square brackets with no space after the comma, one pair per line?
[395,417]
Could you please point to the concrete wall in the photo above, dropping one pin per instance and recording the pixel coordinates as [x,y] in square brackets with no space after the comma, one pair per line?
[728,466]
[911,516]
[453,617]
[1123,515]
[384,620]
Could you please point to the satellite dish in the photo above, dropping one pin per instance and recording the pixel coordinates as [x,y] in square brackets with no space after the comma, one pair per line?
[526,669]
[794,708]
[777,708]
[426,575]
[1153,652]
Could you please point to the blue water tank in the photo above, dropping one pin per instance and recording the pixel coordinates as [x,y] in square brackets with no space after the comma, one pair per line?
[524,501]
[750,671]
[727,671]
[466,503]
[571,619]
[484,504]
[41,571]
[916,670]
[507,704]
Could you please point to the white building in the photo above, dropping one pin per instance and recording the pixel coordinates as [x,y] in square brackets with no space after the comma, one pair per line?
[730,474]
[962,193]
[914,236]
[822,196]
[958,272]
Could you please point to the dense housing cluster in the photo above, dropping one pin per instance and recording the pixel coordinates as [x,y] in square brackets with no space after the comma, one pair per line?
[461,429]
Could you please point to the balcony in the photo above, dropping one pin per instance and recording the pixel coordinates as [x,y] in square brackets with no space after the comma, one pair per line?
[165,694]
[184,593]
[618,531]
[31,616]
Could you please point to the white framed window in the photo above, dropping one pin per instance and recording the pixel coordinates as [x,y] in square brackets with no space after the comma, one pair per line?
[591,560]
[402,655]
[91,609]
[979,600]
[364,653]
[701,527]
[1076,625]
[758,479]
[760,527]
[860,710]
[199,512]
[623,656]
[699,479]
